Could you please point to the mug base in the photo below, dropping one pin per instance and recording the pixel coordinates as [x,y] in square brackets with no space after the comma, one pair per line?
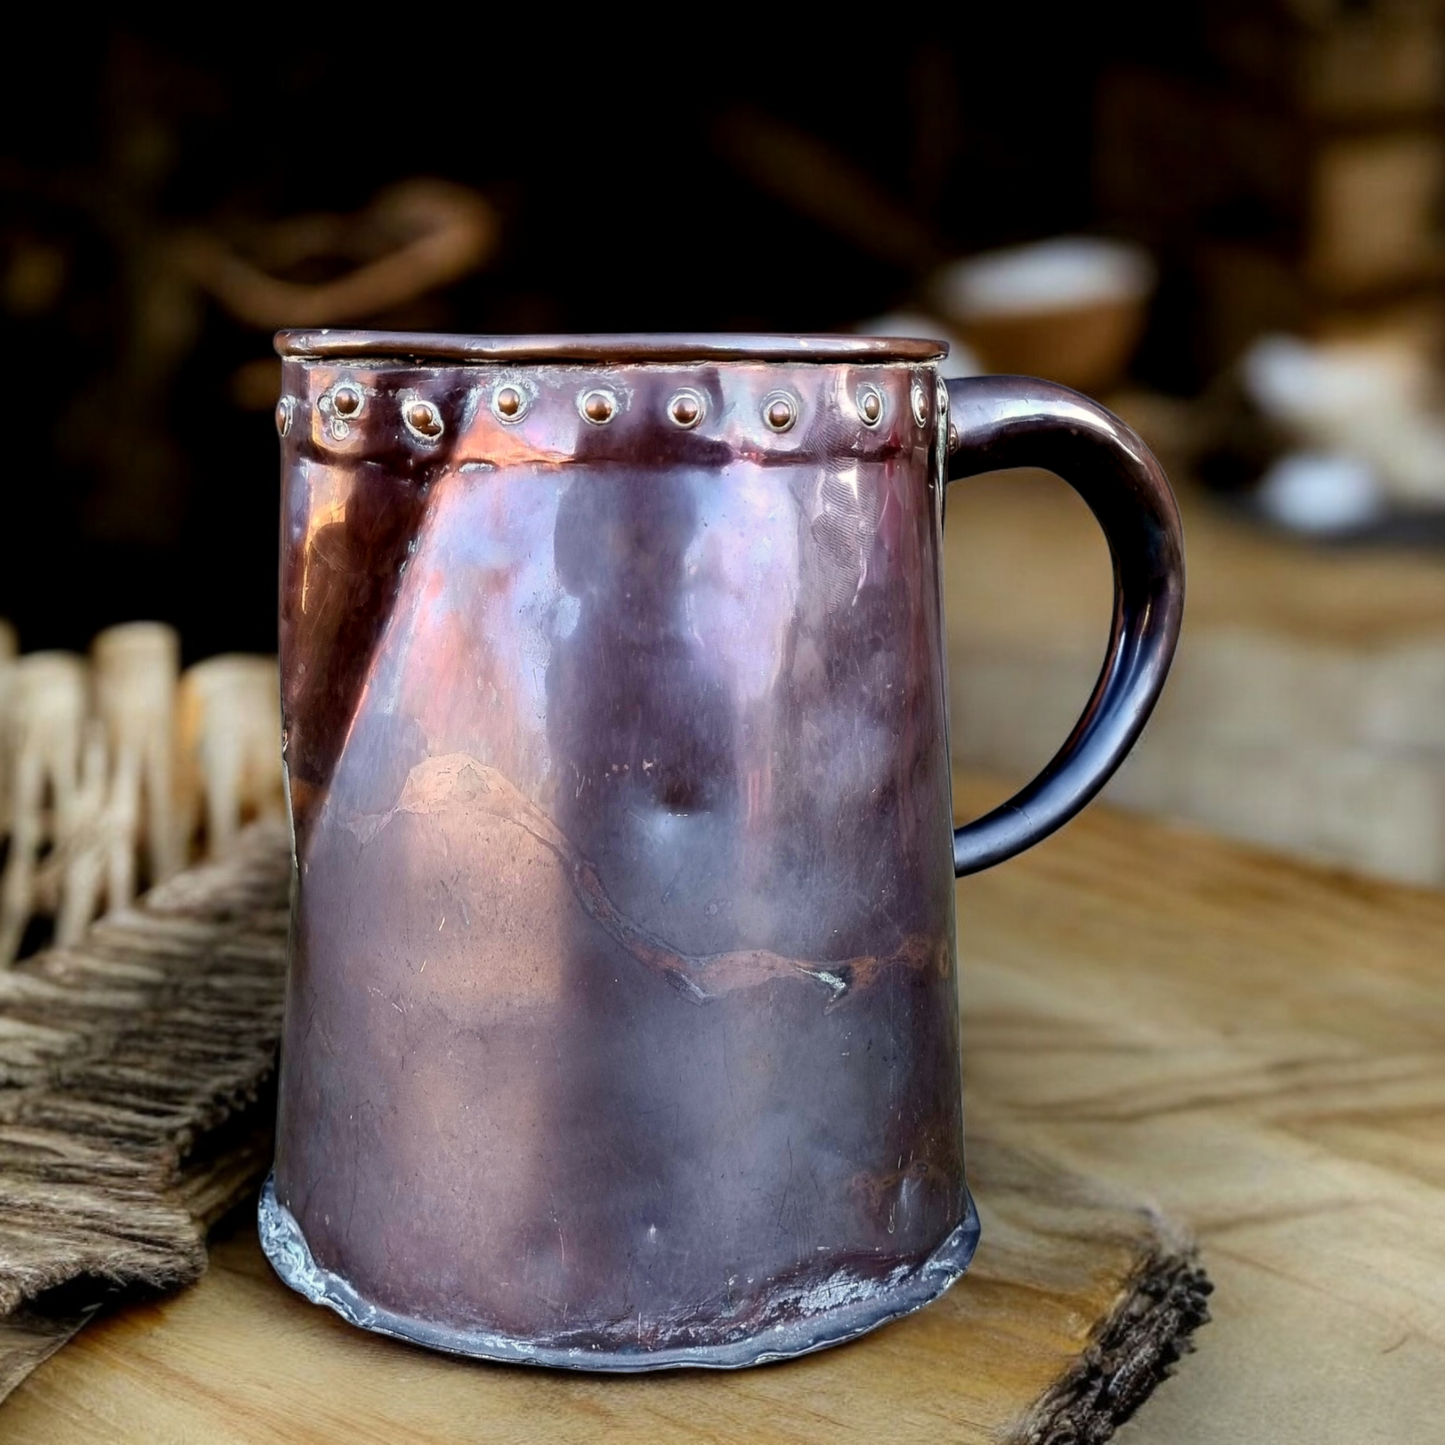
[860,1311]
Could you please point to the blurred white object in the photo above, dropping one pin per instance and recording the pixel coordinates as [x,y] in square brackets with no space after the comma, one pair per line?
[960,360]
[1370,403]
[124,806]
[1056,275]
[49,701]
[1321,493]
[137,666]
[7,681]
[229,726]
[72,879]
[1071,309]
[108,762]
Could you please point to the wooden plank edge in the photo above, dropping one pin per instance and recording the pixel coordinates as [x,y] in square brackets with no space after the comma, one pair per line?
[1133,1350]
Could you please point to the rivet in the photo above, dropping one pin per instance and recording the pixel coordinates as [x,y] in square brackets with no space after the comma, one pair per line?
[870,405]
[941,396]
[598,407]
[952,438]
[509,403]
[686,408]
[284,408]
[920,405]
[422,420]
[780,411]
[346,400]
[339,429]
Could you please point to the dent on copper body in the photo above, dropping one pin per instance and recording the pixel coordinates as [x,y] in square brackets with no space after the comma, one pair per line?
[621,1026]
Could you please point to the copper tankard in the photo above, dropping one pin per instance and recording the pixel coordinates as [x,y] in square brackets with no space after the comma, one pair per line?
[622,1021]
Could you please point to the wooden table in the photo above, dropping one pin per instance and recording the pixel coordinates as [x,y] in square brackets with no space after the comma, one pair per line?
[1306,710]
[1258,1045]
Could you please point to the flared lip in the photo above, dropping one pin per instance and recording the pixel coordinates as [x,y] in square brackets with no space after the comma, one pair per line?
[636,347]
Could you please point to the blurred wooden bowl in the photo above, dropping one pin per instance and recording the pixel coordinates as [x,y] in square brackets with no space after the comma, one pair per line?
[1070,310]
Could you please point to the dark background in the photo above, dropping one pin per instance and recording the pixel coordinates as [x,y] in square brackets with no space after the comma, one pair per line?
[637,189]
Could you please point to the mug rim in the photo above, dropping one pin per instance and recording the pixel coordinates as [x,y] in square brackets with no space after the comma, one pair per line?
[324,343]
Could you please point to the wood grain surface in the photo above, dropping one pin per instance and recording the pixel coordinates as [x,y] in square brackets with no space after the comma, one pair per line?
[1261,1046]
[1257,1045]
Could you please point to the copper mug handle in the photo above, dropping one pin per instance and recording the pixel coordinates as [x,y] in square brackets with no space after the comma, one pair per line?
[1012,421]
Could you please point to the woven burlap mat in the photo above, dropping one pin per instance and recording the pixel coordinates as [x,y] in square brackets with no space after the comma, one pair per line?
[135,1075]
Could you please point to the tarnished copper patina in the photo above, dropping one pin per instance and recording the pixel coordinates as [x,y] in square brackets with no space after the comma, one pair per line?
[622,1025]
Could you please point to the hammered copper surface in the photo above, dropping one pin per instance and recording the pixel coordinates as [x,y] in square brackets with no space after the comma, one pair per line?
[622,983]
[622,1016]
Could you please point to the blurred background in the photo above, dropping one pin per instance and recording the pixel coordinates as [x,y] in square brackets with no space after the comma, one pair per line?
[1227,222]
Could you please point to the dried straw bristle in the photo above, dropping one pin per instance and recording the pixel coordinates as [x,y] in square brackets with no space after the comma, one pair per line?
[131,1066]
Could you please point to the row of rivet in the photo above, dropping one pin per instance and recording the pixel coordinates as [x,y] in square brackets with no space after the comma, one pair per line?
[510,404]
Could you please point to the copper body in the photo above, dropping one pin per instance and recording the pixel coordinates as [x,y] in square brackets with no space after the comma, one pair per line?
[622,1023]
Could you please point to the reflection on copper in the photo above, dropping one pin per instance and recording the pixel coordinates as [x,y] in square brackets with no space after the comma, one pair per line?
[346,401]
[624,902]
[424,420]
[621,1027]
[780,411]
[686,408]
[598,407]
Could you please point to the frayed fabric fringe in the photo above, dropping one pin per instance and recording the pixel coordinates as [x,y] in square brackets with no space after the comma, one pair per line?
[134,1073]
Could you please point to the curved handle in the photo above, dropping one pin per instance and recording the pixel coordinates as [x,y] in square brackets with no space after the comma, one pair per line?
[1012,421]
